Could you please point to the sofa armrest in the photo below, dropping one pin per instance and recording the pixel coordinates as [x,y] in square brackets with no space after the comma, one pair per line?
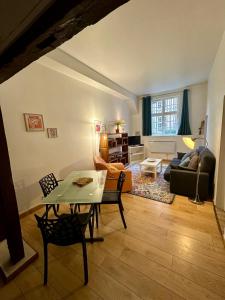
[183,182]
[119,166]
[112,178]
[112,175]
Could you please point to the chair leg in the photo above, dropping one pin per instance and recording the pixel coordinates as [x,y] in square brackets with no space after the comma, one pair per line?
[71,209]
[46,210]
[85,262]
[75,206]
[96,215]
[78,207]
[45,263]
[90,229]
[55,210]
[99,208]
[57,207]
[122,216]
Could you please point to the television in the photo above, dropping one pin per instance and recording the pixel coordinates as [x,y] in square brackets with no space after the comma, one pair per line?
[134,140]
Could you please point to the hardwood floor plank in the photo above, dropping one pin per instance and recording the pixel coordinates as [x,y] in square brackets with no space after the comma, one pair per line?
[61,279]
[29,280]
[197,246]
[210,281]
[167,252]
[141,285]
[122,241]
[169,279]
[100,282]
[84,293]
[43,293]
[10,291]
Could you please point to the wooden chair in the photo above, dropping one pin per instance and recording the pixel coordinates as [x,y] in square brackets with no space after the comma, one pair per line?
[113,197]
[66,230]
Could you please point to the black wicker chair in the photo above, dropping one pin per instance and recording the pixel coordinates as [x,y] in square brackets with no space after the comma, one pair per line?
[113,197]
[67,230]
[48,183]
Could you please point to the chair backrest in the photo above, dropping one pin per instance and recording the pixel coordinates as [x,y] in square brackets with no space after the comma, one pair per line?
[62,231]
[99,163]
[120,181]
[48,183]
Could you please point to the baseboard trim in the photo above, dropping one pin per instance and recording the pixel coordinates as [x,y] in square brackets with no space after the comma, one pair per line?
[219,224]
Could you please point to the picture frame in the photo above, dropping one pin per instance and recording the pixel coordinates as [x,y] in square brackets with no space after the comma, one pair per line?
[98,126]
[33,122]
[52,133]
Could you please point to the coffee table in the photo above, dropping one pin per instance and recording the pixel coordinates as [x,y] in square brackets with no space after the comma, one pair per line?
[151,165]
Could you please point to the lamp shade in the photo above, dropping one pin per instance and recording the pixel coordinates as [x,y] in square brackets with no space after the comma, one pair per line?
[189,142]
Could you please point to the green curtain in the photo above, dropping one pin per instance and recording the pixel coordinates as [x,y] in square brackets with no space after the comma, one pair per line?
[185,124]
[147,116]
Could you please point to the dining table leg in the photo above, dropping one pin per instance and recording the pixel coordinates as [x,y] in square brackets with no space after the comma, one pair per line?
[93,239]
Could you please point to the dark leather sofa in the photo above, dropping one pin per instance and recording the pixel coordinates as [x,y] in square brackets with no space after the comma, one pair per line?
[183,180]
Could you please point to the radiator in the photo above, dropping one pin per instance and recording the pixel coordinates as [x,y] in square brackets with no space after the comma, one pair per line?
[162,146]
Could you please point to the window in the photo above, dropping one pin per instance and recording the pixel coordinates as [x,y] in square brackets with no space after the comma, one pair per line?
[165,115]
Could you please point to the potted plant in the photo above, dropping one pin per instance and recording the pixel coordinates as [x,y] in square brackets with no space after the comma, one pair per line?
[118,123]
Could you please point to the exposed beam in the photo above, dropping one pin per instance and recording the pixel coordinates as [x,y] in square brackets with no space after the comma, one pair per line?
[58,23]
[61,61]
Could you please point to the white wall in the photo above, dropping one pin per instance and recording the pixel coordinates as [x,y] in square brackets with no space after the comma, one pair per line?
[197,111]
[68,105]
[216,92]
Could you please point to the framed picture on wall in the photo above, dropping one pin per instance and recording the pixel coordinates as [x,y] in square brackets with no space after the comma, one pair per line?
[98,126]
[33,122]
[52,133]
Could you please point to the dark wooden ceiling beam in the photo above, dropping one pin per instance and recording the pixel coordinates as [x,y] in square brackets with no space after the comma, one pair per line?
[60,22]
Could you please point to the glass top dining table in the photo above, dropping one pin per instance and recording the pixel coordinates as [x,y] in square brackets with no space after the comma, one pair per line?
[68,192]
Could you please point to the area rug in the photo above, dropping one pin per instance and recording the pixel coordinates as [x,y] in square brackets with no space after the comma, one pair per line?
[144,185]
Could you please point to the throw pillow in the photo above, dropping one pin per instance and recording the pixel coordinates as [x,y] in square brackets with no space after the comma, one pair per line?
[193,164]
[180,155]
[189,154]
[185,162]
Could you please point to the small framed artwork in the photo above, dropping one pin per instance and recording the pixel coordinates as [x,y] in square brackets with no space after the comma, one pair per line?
[33,122]
[98,126]
[52,133]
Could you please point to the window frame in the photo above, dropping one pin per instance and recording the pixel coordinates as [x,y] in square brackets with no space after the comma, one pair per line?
[163,113]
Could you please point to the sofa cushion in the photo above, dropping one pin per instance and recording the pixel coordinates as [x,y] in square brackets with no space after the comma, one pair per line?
[193,164]
[189,154]
[185,162]
[175,161]
[180,155]
[182,168]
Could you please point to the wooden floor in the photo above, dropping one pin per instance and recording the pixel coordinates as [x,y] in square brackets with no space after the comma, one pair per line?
[168,252]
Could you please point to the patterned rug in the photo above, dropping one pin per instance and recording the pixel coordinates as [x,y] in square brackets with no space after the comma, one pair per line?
[144,185]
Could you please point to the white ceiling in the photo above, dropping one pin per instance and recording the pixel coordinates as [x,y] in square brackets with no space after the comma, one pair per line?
[150,46]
